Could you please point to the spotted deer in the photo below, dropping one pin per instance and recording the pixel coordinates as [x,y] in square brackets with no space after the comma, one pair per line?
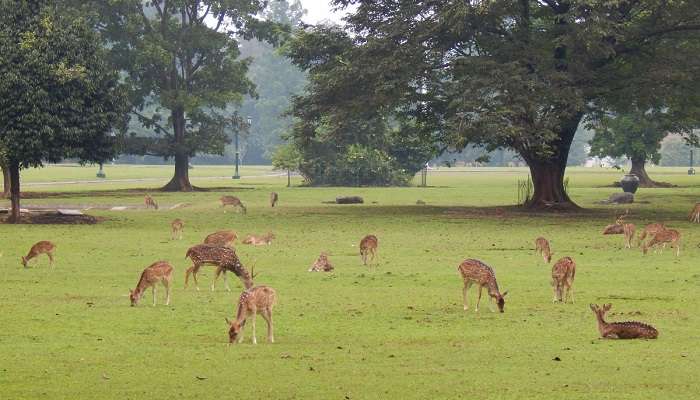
[158,272]
[563,273]
[224,258]
[39,248]
[667,236]
[650,230]
[475,271]
[542,248]
[233,201]
[622,330]
[368,247]
[694,215]
[274,198]
[150,202]
[253,301]
[221,238]
[322,264]
[259,240]
[176,228]
[628,229]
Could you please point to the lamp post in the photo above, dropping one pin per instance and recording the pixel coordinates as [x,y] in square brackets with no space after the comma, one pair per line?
[691,170]
[236,175]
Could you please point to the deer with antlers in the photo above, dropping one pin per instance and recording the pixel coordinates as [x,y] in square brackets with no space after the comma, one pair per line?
[221,238]
[253,301]
[39,248]
[234,202]
[224,258]
[622,330]
[158,272]
[274,198]
[150,202]
[259,240]
[694,215]
[563,273]
[176,228]
[667,236]
[622,227]
[368,247]
[542,248]
[475,271]
[322,264]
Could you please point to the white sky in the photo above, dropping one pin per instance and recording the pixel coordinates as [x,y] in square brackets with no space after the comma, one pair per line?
[319,10]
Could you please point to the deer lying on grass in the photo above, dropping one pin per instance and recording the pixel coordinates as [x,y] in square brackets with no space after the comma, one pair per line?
[542,248]
[259,240]
[39,248]
[650,230]
[475,271]
[368,246]
[253,301]
[694,215]
[667,236]
[150,202]
[224,258]
[622,330]
[221,238]
[322,264]
[176,227]
[274,198]
[233,201]
[563,273]
[158,272]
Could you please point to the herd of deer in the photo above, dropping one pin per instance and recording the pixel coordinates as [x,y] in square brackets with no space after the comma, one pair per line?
[217,250]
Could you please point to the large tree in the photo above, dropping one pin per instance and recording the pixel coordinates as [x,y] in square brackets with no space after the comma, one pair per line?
[58,96]
[181,61]
[516,73]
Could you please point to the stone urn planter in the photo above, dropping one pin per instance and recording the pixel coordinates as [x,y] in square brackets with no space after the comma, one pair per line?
[629,183]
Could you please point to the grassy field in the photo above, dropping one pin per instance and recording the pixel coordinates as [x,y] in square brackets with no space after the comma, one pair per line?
[397,332]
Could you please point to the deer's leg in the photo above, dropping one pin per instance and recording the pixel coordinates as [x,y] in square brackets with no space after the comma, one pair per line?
[554,290]
[153,290]
[467,284]
[166,283]
[254,316]
[478,299]
[363,257]
[51,259]
[267,316]
[571,291]
[195,269]
[226,281]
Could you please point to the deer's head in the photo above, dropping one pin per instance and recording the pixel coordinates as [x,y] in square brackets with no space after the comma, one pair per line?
[24,261]
[234,330]
[600,311]
[134,296]
[500,301]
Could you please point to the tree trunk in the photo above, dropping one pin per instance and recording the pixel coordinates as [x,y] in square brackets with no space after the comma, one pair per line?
[181,180]
[638,168]
[14,193]
[5,181]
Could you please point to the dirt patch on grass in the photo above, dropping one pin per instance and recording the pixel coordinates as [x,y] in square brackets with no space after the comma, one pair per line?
[54,218]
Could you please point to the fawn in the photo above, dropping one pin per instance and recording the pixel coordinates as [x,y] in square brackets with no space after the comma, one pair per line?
[158,272]
[563,273]
[221,238]
[650,230]
[694,215]
[233,201]
[476,271]
[368,246]
[176,227]
[671,236]
[253,301]
[150,202]
[542,247]
[224,258]
[39,248]
[259,240]
[322,264]
[622,330]
[274,198]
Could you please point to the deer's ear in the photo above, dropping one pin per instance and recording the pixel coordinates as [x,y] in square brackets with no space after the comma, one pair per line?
[593,307]
[607,307]
[228,321]
[504,294]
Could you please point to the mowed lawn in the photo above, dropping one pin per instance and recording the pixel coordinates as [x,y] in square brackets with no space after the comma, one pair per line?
[395,332]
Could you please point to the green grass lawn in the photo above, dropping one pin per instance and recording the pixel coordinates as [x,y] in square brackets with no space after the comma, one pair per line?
[394,333]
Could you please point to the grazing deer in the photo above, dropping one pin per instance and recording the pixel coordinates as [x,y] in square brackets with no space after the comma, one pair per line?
[650,230]
[39,248]
[667,236]
[274,198]
[176,227]
[253,301]
[476,271]
[368,246]
[158,272]
[622,330]
[150,202]
[322,264]
[221,238]
[224,258]
[259,240]
[542,248]
[233,201]
[694,215]
[563,273]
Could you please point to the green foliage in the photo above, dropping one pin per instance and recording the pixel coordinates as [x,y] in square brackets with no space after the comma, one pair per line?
[675,152]
[286,157]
